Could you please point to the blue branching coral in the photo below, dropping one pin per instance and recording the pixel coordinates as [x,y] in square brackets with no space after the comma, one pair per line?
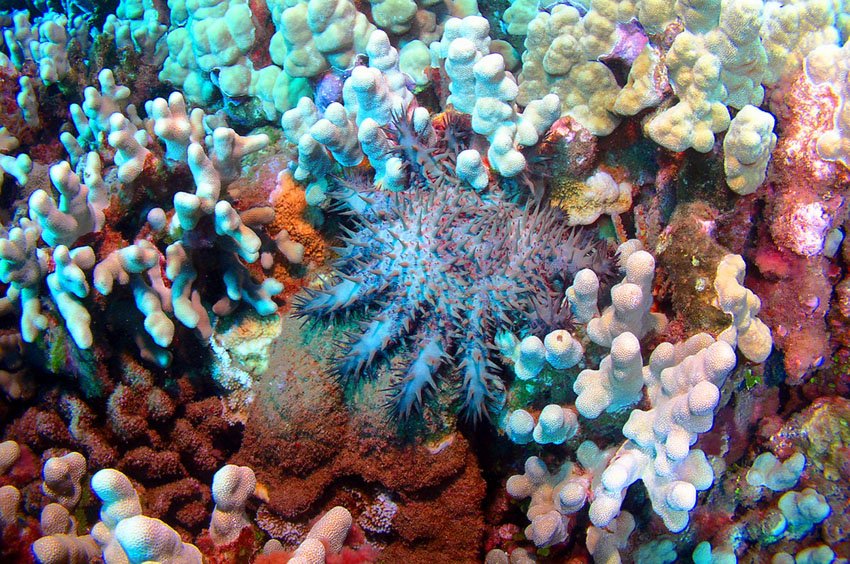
[443,267]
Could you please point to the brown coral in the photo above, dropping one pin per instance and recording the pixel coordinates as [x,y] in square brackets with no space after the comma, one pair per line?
[305,448]
[687,256]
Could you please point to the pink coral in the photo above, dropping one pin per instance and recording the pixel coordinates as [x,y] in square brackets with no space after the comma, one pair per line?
[796,293]
[803,200]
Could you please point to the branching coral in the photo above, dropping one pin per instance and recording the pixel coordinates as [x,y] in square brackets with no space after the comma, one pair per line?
[135,25]
[561,57]
[200,221]
[747,332]
[45,43]
[209,47]
[682,382]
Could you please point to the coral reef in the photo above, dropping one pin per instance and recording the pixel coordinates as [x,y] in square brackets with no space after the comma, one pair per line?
[413,280]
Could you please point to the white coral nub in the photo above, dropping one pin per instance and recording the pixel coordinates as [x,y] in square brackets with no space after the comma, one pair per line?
[231,487]
[752,336]
[617,384]
[630,310]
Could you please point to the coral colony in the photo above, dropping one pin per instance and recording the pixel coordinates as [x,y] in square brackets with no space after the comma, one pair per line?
[340,281]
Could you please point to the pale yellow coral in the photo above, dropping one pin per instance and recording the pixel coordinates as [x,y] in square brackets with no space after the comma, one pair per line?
[247,338]
[599,28]
[830,65]
[181,69]
[747,148]
[518,15]
[700,113]
[320,34]
[560,58]
[736,44]
[222,36]
[790,31]
[699,16]
[646,83]
[600,194]
[740,46]
[656,15]
[217,39]
[751,335]
[588,97]
[414,60]
[393,16]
